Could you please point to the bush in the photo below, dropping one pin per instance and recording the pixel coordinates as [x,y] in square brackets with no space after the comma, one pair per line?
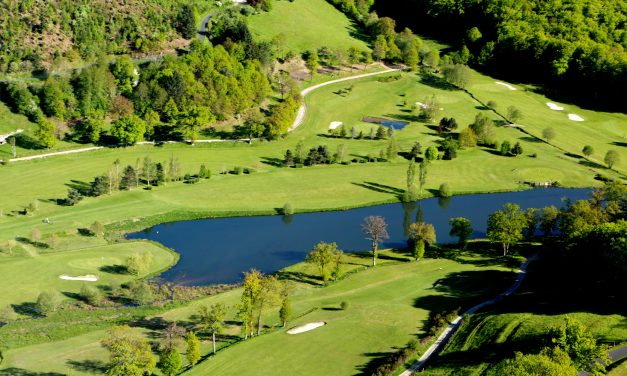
[47,302]
[139,263]
[7,314]
[288,209]
[344,305]
[91,295]
[445,190]
[239,170]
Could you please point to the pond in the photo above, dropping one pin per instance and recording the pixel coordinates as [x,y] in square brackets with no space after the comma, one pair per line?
[220,250]
[394,124]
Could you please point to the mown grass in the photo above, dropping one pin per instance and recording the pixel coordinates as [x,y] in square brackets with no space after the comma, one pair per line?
[25,276]
[388,306]
[307,25]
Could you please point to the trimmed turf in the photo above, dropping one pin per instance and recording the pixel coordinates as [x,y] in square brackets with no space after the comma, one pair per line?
[388,306]
[24,277]
[307,25]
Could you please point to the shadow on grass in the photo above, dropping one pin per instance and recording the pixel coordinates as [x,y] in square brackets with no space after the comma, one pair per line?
[26,309]
[381,188]
[622,144]
[437,82]
[88,366]
[36,244]
[114,269]
[22,372]
[299,277]
[276,162]
[377,359]
[588,163]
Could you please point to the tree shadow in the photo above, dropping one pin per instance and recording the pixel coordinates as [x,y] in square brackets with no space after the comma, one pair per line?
[276,162]
[622,144]
[299,277]
[26,309]
[88,366]
[377,359]
[381,188]
[531,139]
[13,371]
[437,82]
[36,244]
[591,164]
[404,117]
[25,141]
[114,269]
[573,155]
[82,187]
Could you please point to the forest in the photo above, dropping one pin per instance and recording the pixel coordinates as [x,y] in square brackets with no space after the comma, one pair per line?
[574,48]
[46,31]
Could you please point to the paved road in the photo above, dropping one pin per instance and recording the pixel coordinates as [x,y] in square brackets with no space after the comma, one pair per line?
[615,355]
[203,25]
[448,332]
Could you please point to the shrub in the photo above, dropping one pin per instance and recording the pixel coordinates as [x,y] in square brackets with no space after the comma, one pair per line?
[91,295]
[445,190]
[288,209]
[344,305]
[139,263]
[239,170]
[47,302]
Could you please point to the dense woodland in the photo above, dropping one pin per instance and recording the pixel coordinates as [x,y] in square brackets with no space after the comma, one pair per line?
[570,46]
[36,34]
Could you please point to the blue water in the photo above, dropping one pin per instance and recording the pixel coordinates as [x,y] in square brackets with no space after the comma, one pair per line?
[219,250]
[394,124]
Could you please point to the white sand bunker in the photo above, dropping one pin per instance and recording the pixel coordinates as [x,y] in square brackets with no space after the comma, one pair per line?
[88,278]
[554,107]
[306,327]
[574,117]
[335,124]
[510,87]
[421,105]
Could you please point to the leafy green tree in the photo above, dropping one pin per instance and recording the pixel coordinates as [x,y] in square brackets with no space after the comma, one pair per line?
[514,114]
[91,295]
[170,362]
[47,302]
[129,352]
[422,174]
[430,109]
[193,119]
[432,59]
[445,190]
[462,228]
[549,220]
[89,130]
[129,178]
[45,133]
[324,256]
[268,297]
[212,319]
[506,226]
[587,150]
[375,230]
[506,148]
[187,21]
[192,352]
[517,149]
[250,292]
[285,313]
[139,263]
[432,153]
[554,362]
[392,150]
[577,341]
[141,292]
[457,74]
[421,234]
[467,138]
[611,158]
[380,48]
[125,74]
[7,315]
[128,129]
[483,128]
[410,193]
[312,63]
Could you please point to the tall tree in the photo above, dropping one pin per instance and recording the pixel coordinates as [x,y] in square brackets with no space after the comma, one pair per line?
[577,341]
[462,228]
[312,63]
[45,133]
[375,229]
[128,129]
[611,158]
[192,348]
[250,293]
[421,234]
[212,319]
[324,256]
[506,226]
[422,174]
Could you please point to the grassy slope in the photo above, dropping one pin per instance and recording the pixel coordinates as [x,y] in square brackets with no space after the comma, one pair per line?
[26,276]
[387,306]
[314,188]
[307,24]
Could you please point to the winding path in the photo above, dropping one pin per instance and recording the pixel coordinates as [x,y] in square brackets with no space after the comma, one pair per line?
[203,25]
[454,325]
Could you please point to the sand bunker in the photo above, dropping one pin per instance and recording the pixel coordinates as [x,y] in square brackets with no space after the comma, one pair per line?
[88,278]
[335,124]
[555,107]
[574,117]
[306,327]
[510,87]
[421,105]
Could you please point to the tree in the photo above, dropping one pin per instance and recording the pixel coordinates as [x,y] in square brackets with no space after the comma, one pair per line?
[416,150]
[139,263]
[193,119]
[285,313]
[45,133]
[172,336]
[611,158]
[392,150]
[149,171]
[554,362]
[125,74]
[212,319]
[288,161]
[457,75]
[517,149]
[445,190]
[548,134]
[462,228]
[410,192]
[129,177]
[7,315]
[91,295]
[432,59]
[421,234]
[549,220]
[170,362]
[312,63]
[97,228]
[587,150]
[513,114]
[250,293]
[129,352]
[506,148]
[324,256]
[467,138]
[483,127]
[380,48]
[192,351]
[430,109]
[128,129]
[432,153]
[577,341]
[187,21]
[505,226]
[268,297]
[47,302]
[375,229]
[89,130]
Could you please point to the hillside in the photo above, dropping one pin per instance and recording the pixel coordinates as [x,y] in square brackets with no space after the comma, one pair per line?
[44,31]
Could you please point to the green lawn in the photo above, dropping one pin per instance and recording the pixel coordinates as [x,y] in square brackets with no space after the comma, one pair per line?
[388,306]
[307,25]
[25,276]
[620,370]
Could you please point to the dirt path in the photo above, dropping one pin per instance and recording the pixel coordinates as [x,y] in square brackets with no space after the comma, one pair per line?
[302,111]
[454,325]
